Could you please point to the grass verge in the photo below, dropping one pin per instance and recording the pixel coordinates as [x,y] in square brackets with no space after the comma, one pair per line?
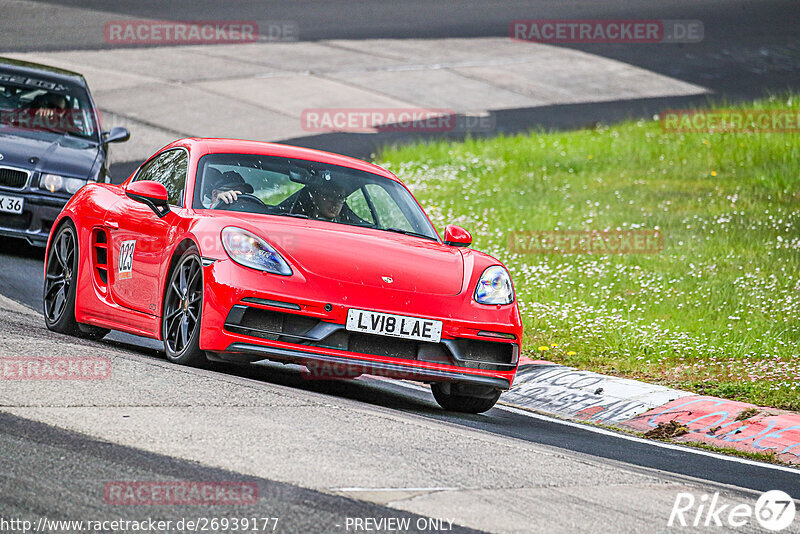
[716,311]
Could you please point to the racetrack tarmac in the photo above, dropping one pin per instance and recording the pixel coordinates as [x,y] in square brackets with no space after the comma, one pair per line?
[749,50]
[345,438]
[55,475]
[321,452]
[369,440]
[389,394]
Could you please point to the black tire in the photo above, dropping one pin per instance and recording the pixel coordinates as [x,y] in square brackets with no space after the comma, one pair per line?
[183,307]
[60,286]
[60,281]
[455,397]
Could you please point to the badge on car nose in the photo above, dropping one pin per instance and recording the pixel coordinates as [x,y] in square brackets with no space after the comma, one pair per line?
[387,279]
[1,157]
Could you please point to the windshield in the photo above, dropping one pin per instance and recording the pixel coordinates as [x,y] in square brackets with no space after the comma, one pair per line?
[307,189]
[40,108]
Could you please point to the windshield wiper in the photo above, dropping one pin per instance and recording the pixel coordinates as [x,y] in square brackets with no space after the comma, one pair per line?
[287,214]
[409,232]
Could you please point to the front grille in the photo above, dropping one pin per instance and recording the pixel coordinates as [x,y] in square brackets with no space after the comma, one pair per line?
[15,222]
[312,332]
[13,178]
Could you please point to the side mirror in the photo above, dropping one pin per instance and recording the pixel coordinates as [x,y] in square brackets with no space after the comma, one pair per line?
[455,236]
[152,194]
[116,135]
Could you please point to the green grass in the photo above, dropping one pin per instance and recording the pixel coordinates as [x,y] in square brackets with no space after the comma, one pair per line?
[716,311]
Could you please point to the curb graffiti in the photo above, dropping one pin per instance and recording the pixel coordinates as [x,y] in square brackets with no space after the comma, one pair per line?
[634,405]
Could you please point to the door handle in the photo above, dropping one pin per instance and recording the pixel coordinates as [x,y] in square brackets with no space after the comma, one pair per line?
[112,224]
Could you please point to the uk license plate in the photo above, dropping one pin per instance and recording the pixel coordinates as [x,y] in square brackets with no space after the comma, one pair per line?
[387,324]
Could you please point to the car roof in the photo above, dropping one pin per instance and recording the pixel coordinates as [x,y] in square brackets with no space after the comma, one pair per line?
[239,146]
[45,71]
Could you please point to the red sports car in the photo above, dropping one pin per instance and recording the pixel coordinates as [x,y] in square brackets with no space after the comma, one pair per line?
[245,251]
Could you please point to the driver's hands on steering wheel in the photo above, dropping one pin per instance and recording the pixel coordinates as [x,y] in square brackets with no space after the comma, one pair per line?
[228,197]
[46,114]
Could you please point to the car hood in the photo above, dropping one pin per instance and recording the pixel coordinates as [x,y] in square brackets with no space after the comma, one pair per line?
[64,155]
[364,256]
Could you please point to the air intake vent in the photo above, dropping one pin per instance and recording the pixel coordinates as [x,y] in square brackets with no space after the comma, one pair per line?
[100,257]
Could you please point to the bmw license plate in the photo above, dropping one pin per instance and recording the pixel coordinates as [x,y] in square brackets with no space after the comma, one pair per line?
[387,324]
[11,204]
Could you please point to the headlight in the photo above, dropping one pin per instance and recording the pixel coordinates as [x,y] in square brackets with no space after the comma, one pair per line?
[251,251]
[51,182]
[54,182]
[494,287]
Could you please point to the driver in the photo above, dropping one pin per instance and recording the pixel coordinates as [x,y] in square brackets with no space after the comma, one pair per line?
[49,111]
[224,187]
[325,200]
[48,105]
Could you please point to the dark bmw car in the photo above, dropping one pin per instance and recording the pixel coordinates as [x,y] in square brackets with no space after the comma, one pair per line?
[51,144]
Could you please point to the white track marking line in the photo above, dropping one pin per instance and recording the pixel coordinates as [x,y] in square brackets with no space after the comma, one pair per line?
[663,445]
[635,439]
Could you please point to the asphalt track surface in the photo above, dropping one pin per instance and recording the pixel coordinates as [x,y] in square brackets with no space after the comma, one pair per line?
[751,49]
[25,261]
[64,490]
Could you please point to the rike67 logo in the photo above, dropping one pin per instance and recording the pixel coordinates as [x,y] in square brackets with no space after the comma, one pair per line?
[774,511]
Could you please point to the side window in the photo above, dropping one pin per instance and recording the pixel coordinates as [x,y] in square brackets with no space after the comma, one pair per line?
[388,212]
[169,169]
[359,205]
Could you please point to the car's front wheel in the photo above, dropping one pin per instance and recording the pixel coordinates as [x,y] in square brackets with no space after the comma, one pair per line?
[183,305]
[59,281]
[466,398]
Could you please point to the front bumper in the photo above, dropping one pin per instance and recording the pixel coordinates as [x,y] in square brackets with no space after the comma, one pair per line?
[303,321]
[38,213]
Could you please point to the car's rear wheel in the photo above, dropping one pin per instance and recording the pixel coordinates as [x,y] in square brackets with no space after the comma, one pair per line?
[60,286]
[183,305]
[466,398]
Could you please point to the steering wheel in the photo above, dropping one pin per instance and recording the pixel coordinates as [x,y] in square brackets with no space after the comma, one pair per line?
[246,203]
